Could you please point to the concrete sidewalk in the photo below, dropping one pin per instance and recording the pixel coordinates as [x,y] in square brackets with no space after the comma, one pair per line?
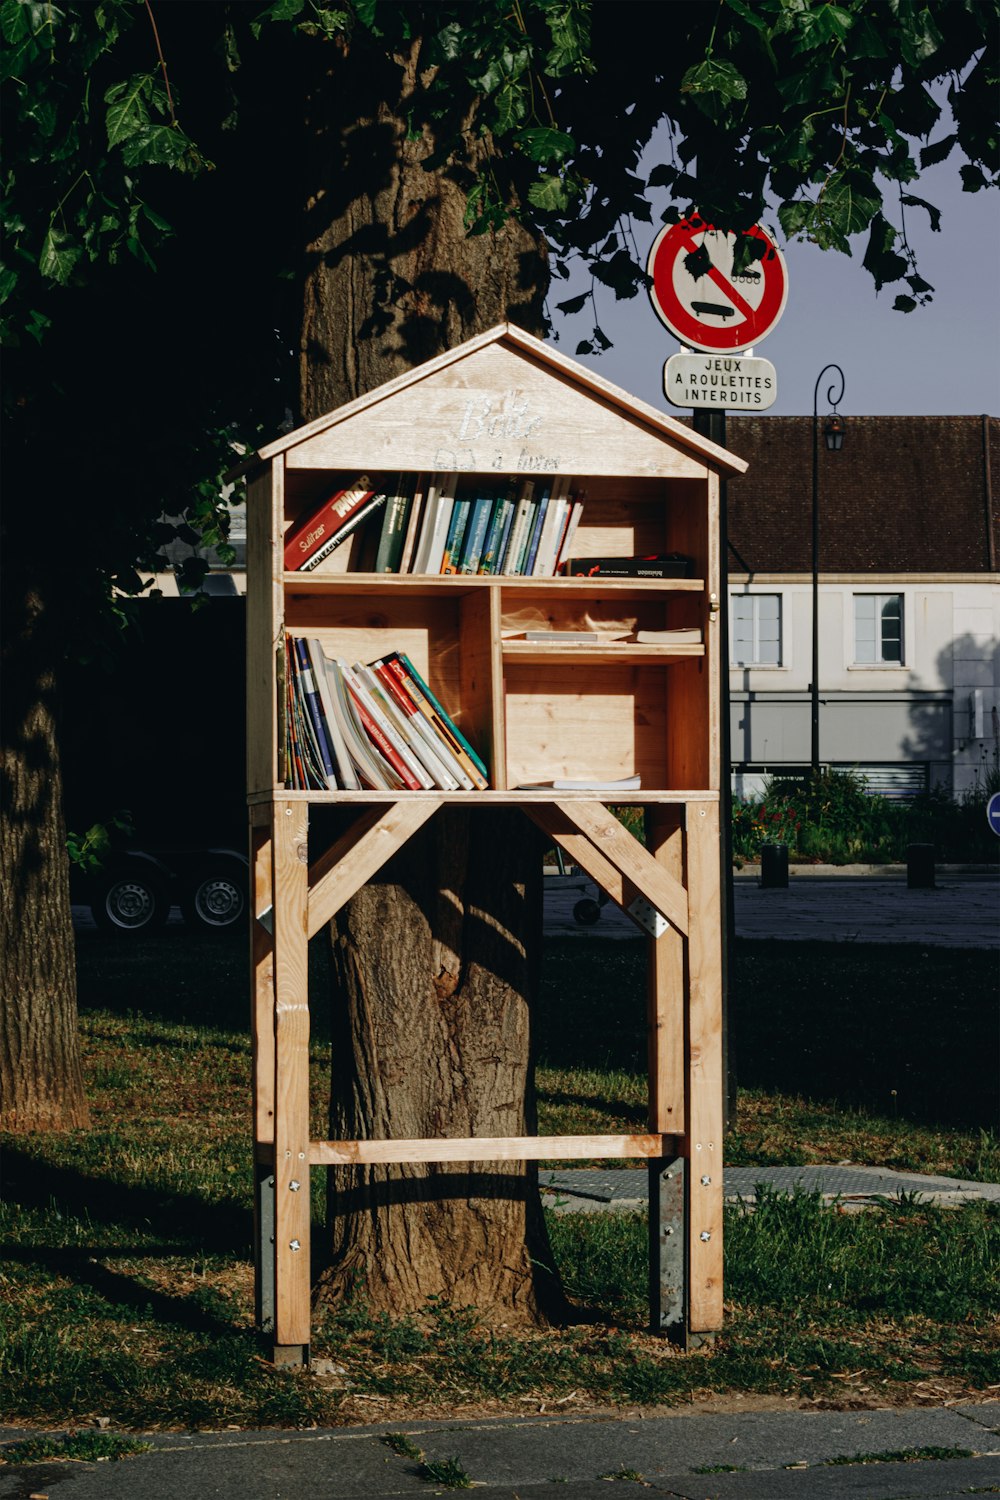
[753,1451]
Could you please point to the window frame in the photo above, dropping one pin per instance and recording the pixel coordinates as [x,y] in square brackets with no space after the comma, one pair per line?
[880,662]
[756,665]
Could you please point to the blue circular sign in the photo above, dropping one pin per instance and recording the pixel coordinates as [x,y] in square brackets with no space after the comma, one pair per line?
[993,813]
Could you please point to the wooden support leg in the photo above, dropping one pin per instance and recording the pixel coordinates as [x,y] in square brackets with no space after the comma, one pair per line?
[704,1188]
[292,1281]
[665,1012]
[262,1039]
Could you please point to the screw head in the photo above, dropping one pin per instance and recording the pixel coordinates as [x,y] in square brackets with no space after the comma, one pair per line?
[705,1181]
[294,1186]
[706,1234]
[294,1245]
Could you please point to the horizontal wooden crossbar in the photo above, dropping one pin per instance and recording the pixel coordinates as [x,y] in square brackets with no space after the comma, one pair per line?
[490,1148]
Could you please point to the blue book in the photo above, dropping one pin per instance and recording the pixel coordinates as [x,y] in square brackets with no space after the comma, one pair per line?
[314,709]
[456,531]
[536,531]
[494,536]
[475,534]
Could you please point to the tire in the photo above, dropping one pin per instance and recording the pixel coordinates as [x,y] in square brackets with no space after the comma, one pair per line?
[216,898]
[131,898]
[586,912]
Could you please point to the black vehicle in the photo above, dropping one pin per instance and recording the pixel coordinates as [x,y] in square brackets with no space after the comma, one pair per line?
[136,888]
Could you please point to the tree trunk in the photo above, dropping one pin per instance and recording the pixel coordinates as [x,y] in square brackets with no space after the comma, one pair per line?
[41,1081]
[435,961]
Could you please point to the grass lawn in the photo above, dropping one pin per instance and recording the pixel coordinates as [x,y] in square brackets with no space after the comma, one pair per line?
[126,1289]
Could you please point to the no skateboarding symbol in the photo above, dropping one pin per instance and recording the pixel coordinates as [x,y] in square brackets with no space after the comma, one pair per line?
[700,298]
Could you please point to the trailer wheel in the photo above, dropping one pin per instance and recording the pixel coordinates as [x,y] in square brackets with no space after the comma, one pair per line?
[131,898]
[215,900]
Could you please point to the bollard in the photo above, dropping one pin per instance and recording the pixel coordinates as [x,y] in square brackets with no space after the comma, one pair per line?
[920,867]
[773,866]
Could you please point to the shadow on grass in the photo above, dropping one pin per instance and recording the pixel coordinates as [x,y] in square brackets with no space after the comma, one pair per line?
[216,1228]
[895,1030]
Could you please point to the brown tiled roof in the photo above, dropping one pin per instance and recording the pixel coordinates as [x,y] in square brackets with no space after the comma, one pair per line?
[904,495]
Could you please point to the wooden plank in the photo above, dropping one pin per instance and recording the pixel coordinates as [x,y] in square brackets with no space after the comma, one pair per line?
[264,620]
[581,851]
[704,1072]
[491,1148]
[627,854]
[665,982]
[392,585]
[673,797]
[527,360]
[578,653]
[291,1056]
[359,854]
[262,1053]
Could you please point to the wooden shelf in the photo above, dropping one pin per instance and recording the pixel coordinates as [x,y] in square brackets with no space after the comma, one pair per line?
[422,583]
[510,797]
[616,653]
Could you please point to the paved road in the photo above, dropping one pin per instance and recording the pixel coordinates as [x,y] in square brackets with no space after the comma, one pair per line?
[783,1454]
[963,912]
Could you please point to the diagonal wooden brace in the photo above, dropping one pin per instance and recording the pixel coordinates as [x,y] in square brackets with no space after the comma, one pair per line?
[595,840]
[360,853]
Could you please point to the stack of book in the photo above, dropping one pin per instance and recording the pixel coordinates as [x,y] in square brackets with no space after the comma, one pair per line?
[522,528]
[375,726]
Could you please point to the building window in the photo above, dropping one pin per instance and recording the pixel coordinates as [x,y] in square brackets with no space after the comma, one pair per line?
[756,630]
[878,629]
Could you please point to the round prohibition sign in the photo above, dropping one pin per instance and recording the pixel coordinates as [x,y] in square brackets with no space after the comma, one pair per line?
[715,310]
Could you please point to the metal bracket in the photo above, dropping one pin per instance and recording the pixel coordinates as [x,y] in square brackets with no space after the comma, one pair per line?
[266,919]
[647,916]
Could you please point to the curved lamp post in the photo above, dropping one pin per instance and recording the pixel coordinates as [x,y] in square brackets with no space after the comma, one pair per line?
[833,435]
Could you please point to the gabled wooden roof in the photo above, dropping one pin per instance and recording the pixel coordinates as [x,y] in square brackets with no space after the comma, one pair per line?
[518,369]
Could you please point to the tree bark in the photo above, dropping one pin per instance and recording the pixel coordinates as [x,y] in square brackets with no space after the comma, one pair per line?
[435,961]
[41,1081]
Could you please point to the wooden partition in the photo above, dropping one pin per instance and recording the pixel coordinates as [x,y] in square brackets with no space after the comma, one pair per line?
[537,711]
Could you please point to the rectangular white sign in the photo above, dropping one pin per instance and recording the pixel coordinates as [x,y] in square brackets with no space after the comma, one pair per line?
[736,382]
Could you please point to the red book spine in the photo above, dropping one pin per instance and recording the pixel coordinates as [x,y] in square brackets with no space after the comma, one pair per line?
[380,742]
[310,532]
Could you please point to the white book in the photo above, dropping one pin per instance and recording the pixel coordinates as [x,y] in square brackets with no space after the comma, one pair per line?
[552,530]
[346,774]
[523,513]
[437,518]
[409,727]
[428,511]
[569,533]
[355,679]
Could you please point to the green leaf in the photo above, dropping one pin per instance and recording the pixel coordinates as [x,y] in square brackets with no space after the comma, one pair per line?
[819,26]
[711,76]
[128,111]
[972,177]
[903,304]
[919,35]
[59,255]
[8,281]
[573,304]
[794,216]
[848,203]
[931,155]
[909,200]
[159,145]
[881,261]
[549,193]
[569,27]
[543,144]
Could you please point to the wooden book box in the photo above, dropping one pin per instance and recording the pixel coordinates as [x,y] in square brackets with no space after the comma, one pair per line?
[505,405]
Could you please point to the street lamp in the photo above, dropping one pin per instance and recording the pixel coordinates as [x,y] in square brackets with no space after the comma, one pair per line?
[833,436]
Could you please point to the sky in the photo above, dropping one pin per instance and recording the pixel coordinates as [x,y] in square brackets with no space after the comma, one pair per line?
[943,359]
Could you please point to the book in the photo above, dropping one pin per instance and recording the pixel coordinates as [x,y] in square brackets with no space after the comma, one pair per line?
[395,726]
[582,637]
[314,708]
[393,533]
[339,537]
[404,670]
[422,736]
[372,768]
[412,527]
[536,530]
[308,772]
[492,537]
[560,784]
[456,533]
[372,722]
[346,774]
[519,525]
[475,534]
[681,635]
[306,535]
[499,547]
[552,529]
[434,528]
[660,565]
[569,533]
